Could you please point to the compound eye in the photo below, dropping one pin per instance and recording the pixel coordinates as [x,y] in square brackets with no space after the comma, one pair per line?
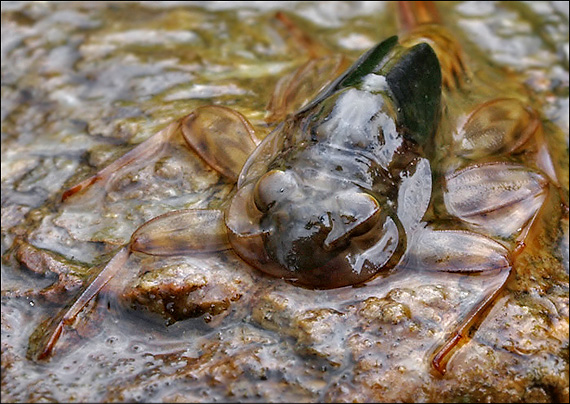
[273,187]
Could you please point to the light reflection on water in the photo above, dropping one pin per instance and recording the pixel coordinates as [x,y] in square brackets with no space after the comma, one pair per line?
[78,82]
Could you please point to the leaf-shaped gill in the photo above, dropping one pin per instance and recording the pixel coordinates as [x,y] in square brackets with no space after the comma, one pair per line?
[221,136]
[302,85]
[496,127]
[182,232]
[456,251]
[496,198]
[415,194]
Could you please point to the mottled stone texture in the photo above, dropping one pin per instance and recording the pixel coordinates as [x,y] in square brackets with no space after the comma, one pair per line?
[82,83]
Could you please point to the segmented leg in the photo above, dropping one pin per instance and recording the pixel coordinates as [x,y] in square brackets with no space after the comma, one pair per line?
[222,137]
[313,48]
[496,128]
[444,352]
[496,199]
[182,232]
[151,147]
[420,21]
[175,233]
[302,85]
[414,13]
[461,252]
[44,348]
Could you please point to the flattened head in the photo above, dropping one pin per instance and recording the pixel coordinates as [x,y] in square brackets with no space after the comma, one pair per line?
[313,236]
[296,216]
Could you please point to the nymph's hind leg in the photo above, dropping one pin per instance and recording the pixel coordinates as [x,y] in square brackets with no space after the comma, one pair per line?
[220,136]
[461,252]
[146,150]
[420,22]
[180,232]
[224,139]
[300,86]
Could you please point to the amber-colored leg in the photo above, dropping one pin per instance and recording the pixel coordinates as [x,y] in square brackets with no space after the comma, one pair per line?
[150,147]
[221,136]
[44,348]
[297,88]
[304,41]
[224,139]
[182,232]
[175,233]
[303,84]
[414,13]
[420,22]
[460,252]
[444,352]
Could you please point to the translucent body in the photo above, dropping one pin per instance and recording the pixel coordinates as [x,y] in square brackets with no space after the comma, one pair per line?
[347,143]
[322,190]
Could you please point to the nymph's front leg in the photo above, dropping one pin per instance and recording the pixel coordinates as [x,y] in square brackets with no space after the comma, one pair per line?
[452,251]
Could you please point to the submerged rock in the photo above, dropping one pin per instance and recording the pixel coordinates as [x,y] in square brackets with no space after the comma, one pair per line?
[84,82]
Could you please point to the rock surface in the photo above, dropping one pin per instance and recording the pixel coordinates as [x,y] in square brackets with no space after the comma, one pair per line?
[84,82]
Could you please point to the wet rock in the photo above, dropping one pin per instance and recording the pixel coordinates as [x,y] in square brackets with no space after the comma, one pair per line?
[69,276]
[188,288]
[85,82]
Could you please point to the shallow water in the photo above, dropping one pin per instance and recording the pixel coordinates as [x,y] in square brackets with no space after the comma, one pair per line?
[84,82]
